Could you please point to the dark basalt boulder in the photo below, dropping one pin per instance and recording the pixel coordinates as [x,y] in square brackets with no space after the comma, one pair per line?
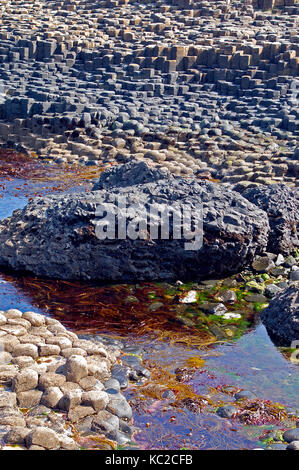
[56,236]
[281,317]
[135,172]
[281,203]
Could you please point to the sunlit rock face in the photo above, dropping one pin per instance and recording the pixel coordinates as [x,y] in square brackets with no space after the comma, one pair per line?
[281,203]
[57,236]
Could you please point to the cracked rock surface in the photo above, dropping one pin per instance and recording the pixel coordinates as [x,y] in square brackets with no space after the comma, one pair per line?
[45,399]
[57,236]
[281,318]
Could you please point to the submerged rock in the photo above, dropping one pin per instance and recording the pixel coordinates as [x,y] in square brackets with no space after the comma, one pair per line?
[281,317]
[227,411]
[281,203]
[56,236]
[291,435]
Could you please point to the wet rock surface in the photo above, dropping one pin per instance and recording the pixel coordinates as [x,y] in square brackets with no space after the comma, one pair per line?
[144,391]
[281,318]
[227,411]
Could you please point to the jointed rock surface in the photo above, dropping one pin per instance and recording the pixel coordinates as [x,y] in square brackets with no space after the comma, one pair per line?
[54,385]
[206,88]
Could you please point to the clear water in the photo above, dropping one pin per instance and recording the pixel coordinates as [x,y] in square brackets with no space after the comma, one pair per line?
[251,362]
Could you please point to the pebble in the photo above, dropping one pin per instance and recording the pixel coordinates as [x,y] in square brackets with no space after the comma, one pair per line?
[294,275]
[227,411]
[112,384]
[76,91]
[43,437]
[263,264]
[272,290]
[277,446]
[228,296]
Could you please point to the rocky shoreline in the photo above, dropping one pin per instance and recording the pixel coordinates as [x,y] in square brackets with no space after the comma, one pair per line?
[56,387]
[50,403]
[60,391]
[205,88]
[178,100]
[57,236]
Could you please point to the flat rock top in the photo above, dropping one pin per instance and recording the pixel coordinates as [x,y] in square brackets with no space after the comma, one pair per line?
[47,368]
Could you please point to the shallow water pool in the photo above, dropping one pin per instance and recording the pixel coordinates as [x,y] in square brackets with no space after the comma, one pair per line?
[251,362]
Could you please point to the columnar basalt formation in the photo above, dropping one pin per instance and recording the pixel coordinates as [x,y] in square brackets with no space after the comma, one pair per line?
[98,81]
[56,385]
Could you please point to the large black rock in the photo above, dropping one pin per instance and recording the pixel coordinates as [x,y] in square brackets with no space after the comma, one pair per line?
[135,172]
[55,236]
[281,317]
[281,203]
